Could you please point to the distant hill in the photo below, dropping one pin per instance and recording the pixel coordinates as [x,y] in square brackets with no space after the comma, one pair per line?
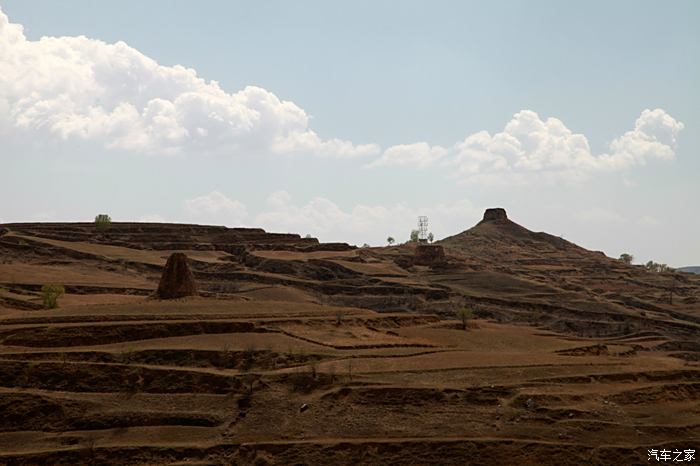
[511,273]
[691,269]
[499,268]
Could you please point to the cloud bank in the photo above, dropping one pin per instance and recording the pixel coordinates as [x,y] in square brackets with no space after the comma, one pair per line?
[324,219]
[529,144]
[81,89]
[76,88]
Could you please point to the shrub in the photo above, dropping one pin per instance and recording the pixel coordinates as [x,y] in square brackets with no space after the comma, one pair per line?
[103,221]
[626,258]
[655,267]
[50,294]
[465,315]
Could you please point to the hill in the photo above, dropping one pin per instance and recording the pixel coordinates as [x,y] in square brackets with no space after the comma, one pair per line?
[300,352]
[693,269]
[546,280]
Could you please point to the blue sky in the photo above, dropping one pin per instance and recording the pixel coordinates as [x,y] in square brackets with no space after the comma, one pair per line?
[386,108]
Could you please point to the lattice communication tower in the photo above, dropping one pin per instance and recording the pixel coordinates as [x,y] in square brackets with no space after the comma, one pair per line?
[423,229]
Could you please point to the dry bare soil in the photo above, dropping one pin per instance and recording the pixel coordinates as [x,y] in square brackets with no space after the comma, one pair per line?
[297,352]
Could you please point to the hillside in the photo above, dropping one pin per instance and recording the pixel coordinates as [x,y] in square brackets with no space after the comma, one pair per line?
[300,352]
[693,269]
[544,279]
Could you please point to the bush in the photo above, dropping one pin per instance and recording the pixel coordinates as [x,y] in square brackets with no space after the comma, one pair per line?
[655,267]
[465,315]
[626,258]
[103,221]
[50,294]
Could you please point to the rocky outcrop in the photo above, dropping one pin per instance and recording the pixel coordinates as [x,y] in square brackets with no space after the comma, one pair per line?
[429,254]
[177,280]
[497,213]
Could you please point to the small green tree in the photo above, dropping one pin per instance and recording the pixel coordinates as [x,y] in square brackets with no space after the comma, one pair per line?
[50,294]
[656,267]
[414,236]
[390,240]
[431,238]
[465,315]
[626,258]
[103,221]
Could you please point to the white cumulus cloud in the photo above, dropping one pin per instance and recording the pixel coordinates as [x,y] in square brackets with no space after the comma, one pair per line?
[654,136]
[217,209]
[85,90]
[77,88]
[531,145]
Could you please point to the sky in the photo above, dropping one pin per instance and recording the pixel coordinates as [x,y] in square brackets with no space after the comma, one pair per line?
[348,120]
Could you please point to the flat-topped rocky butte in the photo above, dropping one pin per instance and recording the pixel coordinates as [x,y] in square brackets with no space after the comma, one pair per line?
[497,213]
[571,357]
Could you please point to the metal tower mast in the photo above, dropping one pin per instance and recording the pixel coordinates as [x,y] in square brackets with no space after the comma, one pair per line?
[423,229]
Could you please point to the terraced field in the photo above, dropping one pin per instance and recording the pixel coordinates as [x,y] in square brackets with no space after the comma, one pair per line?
[297,352]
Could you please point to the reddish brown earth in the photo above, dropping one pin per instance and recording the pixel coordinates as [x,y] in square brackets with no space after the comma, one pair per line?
[429,254]
[574,358]
[177,280]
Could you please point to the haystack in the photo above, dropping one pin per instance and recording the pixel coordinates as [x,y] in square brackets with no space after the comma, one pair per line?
[177,280]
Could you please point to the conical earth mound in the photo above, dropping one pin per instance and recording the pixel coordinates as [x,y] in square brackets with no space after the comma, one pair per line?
[495,234]
[177,280]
